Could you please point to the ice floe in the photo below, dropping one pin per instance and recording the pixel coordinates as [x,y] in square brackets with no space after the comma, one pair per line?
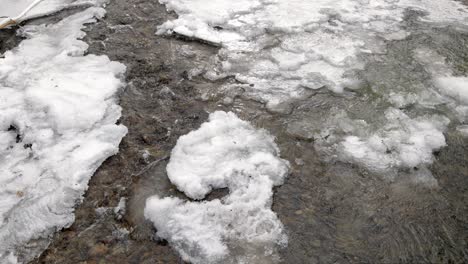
[401,143]
[225,152]
[58,114]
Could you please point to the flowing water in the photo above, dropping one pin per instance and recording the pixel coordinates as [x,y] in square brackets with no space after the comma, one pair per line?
[336,206]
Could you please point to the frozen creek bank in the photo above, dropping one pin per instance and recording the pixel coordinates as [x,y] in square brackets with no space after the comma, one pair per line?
[335,208]
[57,125]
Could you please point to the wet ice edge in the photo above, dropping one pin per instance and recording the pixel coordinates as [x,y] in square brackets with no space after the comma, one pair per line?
[58,114]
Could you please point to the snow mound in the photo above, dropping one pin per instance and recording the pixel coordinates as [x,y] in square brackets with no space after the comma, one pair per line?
[208,158]
[58,114]
[225,152]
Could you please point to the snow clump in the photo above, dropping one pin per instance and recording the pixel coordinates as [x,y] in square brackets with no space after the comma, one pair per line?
[225,152]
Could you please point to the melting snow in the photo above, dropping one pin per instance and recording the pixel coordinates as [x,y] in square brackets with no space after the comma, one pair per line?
[286,47]
[402,142]
[58,116]
[225,152]
[283,49]
[455,88]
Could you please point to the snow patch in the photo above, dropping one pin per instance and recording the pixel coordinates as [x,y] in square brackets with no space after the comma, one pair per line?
[58,115]
[224,152]
[14,8]
[402,143]
[455,87]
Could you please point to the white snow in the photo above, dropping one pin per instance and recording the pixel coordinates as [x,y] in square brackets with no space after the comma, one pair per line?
[14,8]
[401,143]
[454,89]
[224,152]
[58,114]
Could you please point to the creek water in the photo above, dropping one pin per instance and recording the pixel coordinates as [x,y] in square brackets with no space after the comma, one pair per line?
[336,208]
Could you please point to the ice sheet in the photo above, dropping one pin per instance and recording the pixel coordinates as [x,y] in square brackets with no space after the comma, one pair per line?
[13,8]
[285,47]
[58,116]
